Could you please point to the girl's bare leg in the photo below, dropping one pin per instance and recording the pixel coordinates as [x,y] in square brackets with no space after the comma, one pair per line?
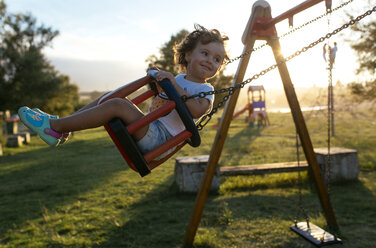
[90,105]
[98,115]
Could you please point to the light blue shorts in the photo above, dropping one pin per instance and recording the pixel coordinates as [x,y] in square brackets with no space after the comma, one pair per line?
[156,135]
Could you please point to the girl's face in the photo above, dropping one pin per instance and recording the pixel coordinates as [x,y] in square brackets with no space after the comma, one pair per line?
[204,61]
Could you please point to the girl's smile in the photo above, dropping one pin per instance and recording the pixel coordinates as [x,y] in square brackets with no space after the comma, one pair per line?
[204,61]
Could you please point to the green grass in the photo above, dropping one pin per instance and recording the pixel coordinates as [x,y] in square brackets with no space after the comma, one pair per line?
[82,194]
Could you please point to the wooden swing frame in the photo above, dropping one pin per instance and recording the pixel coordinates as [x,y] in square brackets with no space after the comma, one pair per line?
[261,26]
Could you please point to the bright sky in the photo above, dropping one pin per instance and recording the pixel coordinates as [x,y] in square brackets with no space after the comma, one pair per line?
[103,44]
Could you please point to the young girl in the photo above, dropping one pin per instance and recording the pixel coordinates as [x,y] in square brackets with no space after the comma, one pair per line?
[201,54]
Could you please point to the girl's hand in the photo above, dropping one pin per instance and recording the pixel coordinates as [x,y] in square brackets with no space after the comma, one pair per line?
[166,75]
[197,107]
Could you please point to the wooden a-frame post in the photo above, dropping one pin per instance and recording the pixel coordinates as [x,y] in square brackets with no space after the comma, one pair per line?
[261,14]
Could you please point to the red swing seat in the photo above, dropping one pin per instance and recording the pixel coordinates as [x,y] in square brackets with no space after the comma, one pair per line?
[121,134]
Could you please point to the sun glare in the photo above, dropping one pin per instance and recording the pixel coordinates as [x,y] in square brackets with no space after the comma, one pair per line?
[308,69]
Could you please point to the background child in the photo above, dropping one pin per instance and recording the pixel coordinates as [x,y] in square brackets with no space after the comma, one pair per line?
[200,54]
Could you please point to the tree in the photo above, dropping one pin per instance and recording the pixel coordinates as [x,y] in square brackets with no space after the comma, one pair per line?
[365,46]
[166,62]
[26,77]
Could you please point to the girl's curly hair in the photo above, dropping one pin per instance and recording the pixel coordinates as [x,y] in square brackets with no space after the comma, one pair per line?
[189,43]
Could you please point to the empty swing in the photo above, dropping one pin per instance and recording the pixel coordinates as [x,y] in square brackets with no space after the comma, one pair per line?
[311,232]
[121,134]
[314,234]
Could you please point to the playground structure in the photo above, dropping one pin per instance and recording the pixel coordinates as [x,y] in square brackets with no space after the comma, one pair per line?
[257,106]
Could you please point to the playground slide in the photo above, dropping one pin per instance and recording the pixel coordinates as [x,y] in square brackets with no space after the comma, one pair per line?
[241,111]
[237,113]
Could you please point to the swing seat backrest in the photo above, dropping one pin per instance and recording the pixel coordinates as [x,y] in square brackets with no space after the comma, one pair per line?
[121,134]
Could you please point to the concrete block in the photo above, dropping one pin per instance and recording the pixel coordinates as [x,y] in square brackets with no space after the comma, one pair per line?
[15,141]
[344,165]
[26,137]
[189,172]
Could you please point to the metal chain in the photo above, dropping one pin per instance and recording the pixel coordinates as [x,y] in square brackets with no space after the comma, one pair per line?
[330,99]
[330,110]
[288,33]
[300,182]
[246,53]
[240,85]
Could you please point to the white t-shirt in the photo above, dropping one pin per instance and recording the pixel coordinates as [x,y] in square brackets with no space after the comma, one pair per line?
[172,121]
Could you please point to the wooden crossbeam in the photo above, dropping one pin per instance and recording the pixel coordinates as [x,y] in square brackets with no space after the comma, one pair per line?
[260,169]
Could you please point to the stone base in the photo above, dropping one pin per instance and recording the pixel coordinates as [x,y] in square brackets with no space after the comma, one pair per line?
[344,164]
[189,172]
[15,141]
[26,137]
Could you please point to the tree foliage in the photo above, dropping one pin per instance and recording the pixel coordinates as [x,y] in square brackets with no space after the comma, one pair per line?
[165,62]
[166,59]
[26,77]
[365,46]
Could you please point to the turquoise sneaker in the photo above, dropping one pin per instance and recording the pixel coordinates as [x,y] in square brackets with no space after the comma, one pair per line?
[39,123]
[64,137]
[44,113]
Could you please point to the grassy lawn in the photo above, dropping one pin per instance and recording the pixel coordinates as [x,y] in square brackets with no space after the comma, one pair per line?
[82,194]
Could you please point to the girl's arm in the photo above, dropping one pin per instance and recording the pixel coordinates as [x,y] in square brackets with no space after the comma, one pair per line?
[197,107]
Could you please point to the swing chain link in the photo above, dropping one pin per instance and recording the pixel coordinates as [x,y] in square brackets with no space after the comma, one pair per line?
[300,182]
[328,12]
[246,53]
[240,85]
[329,121]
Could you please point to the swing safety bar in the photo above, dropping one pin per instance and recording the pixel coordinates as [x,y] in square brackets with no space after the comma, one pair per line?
[121,134]
[165,109]
[290,13]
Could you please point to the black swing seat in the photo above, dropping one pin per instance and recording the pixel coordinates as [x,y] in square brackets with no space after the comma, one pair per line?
[315,234]
[121,134]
